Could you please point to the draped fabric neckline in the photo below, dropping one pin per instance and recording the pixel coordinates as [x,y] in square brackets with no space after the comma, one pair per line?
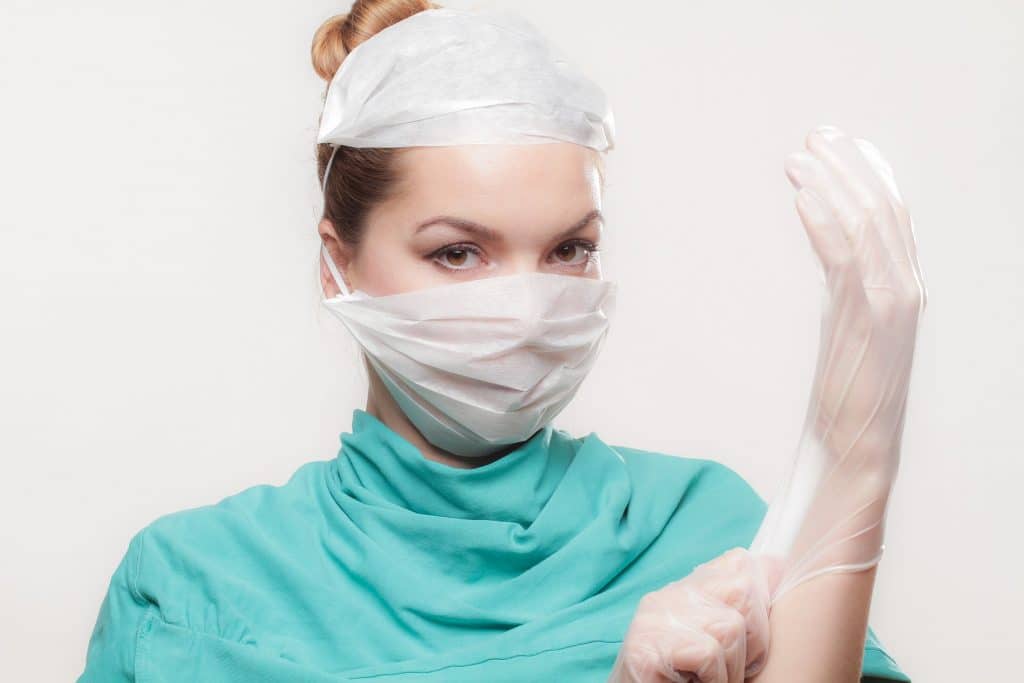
[491,539]
[379,467]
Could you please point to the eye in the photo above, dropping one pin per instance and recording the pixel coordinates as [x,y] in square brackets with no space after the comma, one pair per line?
[456,256]
[575,252]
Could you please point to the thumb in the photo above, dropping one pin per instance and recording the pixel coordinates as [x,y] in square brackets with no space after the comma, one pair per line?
[773,567]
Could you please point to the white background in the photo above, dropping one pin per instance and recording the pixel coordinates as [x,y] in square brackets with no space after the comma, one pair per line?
[162,346]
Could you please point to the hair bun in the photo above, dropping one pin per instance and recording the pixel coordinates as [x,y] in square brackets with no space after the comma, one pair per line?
[341,33]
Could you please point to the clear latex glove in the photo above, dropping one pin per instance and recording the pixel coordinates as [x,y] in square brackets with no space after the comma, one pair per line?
[709,627]
[830,512]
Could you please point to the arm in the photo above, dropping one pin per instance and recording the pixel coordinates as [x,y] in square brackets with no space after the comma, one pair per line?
[818,630]
[110,656]
[819,626]
[828,521]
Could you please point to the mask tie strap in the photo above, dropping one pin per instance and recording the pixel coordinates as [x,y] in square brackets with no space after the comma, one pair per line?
[327,169]
[338,279]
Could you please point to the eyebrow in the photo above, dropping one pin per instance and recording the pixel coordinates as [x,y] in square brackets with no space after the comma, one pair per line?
[485,233]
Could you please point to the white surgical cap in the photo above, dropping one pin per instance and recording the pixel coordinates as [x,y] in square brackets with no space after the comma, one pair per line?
[447,76]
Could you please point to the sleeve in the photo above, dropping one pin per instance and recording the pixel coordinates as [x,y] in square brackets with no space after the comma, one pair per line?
[110,655]
[878,665]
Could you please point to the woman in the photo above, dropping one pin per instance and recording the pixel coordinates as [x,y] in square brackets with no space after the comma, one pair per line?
[457,535]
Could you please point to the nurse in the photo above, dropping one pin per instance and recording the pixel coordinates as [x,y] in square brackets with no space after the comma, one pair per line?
[457,534]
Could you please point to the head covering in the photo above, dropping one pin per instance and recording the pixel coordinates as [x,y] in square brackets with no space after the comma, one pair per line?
[449,76]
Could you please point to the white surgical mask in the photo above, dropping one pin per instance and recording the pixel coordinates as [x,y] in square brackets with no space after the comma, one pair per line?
[481,364]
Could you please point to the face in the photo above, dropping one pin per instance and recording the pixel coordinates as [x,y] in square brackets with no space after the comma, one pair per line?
[473,211]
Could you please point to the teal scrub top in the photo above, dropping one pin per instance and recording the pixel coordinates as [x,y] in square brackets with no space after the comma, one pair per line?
[381,565]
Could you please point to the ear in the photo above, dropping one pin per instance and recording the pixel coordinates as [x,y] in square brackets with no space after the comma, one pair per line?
[341,253]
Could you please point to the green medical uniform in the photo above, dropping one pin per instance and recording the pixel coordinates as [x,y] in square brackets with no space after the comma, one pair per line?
[381,565]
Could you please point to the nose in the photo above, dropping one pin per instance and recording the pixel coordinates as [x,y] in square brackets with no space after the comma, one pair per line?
[520,262]
[525,265]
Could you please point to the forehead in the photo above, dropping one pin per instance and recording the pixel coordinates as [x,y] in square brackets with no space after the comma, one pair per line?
[500,185]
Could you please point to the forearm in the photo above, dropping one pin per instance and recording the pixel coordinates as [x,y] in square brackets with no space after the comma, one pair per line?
[818,630]
[818,627]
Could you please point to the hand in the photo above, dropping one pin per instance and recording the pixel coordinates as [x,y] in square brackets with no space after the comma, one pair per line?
[709,627]
[863,236]
[831,513]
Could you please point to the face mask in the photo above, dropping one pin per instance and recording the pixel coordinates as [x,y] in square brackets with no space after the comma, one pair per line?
[481,364]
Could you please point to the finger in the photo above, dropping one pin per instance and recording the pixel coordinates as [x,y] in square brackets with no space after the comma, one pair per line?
[747,589]
[888,215]
[904,221]
[825,234]
[881,167]
[772,568]
[715,579]
[728,579]
[764,573]
[865,242]
[806,170]
[916,265]
[720,565]
[843,156]
[729,628]
[702,656]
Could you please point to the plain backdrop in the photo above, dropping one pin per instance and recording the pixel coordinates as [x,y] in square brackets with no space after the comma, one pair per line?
[162,346]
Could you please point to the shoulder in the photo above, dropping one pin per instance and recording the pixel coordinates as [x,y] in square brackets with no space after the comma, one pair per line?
[206,550]
[695,495]
[256,509]
[683,511]
[699,477]
[190,567]
[708,502]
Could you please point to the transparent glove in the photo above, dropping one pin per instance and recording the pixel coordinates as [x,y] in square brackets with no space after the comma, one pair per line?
[830,513]
[711,626]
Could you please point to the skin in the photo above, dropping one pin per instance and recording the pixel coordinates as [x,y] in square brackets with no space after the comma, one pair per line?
[854,216]
[818,630]
[534,200]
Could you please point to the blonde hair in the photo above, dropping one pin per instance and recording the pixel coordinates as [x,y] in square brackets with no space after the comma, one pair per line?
[340,34]
[360,176]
